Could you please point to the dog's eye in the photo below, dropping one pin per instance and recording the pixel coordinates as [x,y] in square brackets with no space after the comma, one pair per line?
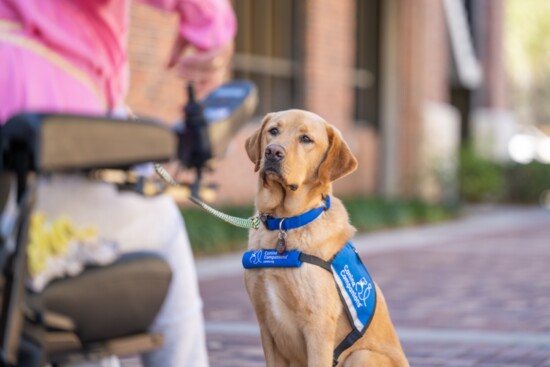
[305,139]
[274,131]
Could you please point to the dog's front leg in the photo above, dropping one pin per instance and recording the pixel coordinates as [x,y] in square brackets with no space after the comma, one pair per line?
[273,357]
[320,342]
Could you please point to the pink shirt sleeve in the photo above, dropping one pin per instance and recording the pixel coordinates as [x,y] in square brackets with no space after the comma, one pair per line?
[207,24]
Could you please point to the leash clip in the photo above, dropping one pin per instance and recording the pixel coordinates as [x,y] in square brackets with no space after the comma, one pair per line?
[281,242]
[256,221]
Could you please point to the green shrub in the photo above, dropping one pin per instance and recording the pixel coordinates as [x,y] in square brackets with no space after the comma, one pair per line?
[480,179]
[483,180]
[527,182]
[369,213]
[210,235]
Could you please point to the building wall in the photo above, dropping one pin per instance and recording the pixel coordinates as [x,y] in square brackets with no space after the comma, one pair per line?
[154,90]
[424,82]
[435,51]
[328,60]
[489,33]
[328,65]
[493,124]
[411,90]
[415,89]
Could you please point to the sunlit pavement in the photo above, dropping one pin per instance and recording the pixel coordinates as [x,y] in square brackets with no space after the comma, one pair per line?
[470,292]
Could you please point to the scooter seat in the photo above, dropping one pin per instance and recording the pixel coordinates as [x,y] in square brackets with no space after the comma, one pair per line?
[112,301]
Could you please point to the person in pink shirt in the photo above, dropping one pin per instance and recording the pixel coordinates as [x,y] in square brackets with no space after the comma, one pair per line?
[78,49]
[70,56]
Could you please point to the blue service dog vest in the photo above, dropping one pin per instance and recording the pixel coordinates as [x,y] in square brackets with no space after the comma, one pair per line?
[353,281]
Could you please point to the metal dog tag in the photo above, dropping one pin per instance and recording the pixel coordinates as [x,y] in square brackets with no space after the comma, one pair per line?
[281,243]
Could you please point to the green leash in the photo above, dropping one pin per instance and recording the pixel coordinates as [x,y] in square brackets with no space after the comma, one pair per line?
[249,223]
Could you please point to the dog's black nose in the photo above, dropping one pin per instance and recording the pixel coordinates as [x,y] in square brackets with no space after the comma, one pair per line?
[274,153]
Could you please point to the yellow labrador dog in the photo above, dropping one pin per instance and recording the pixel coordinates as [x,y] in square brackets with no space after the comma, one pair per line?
[301,312]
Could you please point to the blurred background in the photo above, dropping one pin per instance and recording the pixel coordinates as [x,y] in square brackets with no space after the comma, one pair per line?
[442,101]
[413,85]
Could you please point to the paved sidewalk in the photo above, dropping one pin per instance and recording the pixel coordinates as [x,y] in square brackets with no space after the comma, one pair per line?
[470,292]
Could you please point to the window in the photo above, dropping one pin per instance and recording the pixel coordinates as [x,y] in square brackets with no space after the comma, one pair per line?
[266,51]
[366,78]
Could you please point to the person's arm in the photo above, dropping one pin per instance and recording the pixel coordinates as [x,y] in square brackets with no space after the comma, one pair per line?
[204,45]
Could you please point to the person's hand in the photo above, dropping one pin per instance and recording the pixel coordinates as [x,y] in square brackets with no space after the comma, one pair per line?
[205,68]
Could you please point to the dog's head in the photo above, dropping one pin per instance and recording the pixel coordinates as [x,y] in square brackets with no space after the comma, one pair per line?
[297,148]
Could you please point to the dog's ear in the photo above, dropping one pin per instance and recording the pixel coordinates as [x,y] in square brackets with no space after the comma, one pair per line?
[339,160]
[253,144]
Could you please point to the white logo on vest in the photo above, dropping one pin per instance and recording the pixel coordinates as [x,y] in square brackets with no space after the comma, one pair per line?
[359,291]
[255,257]
[267,257]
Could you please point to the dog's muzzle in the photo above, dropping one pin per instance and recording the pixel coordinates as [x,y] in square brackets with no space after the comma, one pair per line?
[274,155]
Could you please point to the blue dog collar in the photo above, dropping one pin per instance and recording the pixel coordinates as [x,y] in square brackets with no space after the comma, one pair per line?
[297,221]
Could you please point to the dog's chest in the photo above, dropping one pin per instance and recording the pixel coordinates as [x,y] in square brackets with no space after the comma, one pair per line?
[289,302]
[289,289]
[279,309]
[290,296]
[287,299]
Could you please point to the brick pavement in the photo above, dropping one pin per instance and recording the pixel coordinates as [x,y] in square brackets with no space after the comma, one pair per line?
[471,292]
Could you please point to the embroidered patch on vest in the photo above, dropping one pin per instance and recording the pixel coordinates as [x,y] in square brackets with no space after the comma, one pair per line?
[355,286]
[271,259]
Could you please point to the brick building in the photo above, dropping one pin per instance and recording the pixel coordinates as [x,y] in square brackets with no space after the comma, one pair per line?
[404,81]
